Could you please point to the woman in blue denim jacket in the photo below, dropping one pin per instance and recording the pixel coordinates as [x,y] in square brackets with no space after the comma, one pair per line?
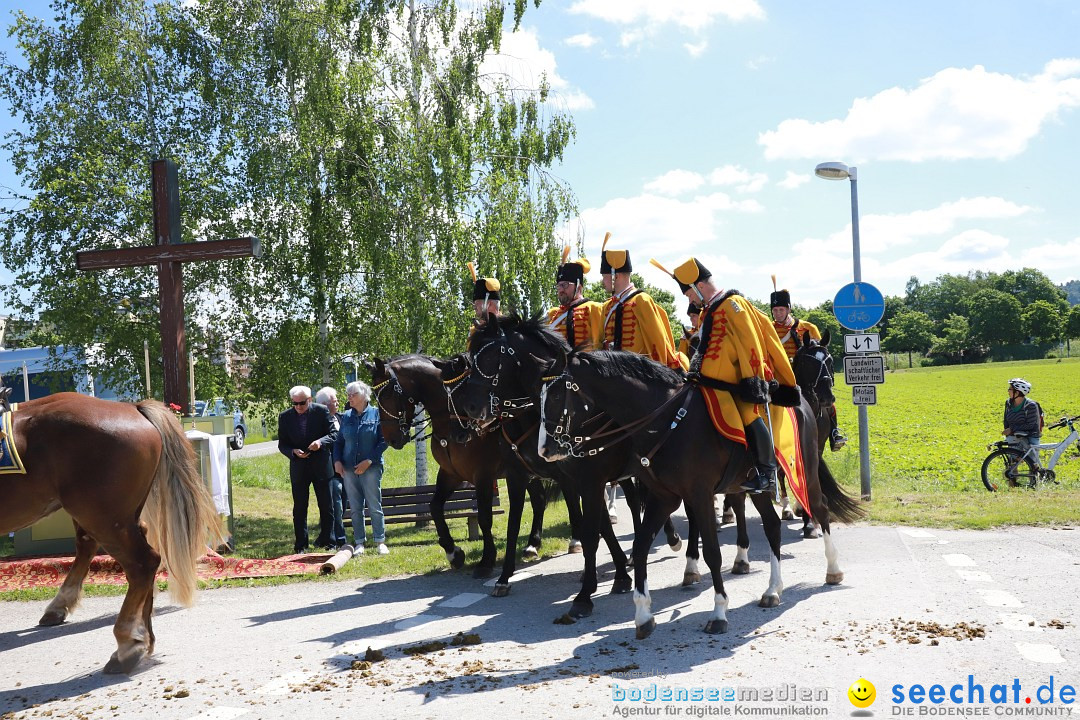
[358,458]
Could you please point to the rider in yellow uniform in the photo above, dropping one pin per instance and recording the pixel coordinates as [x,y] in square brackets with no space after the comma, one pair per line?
[787,326]
[485,298]
[738,348]
[632,319]
[578,320]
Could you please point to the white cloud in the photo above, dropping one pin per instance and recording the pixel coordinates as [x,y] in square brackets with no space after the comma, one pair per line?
[759,62]
[582,40]
[631,37]
[741,178]
[675,182]
[879,232]
[696,49]
[793,180]
[958,113]
[521,62]
[667,228]
[689,14]
[817,267]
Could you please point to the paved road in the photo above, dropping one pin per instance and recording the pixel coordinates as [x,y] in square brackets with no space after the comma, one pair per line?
[256,449]
[288,652]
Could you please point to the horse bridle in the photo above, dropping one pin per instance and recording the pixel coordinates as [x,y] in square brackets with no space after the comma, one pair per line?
[573,443]
[404,424]
[501,409]
[825,365]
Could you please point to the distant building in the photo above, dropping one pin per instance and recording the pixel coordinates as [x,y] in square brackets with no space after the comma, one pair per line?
[41,376]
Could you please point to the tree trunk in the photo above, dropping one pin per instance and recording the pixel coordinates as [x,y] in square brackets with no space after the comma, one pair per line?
[909,359]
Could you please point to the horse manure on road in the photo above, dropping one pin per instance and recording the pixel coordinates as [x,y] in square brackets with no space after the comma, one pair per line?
[564,619]
[466,639]
[424,648]
[373,656]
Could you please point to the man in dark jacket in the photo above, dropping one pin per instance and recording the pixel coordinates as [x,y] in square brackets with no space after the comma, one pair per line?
[306,435]
[1023,418]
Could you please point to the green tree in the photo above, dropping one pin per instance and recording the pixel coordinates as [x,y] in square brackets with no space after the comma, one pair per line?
[101,89]
[1029,285]
[955,340]
[994,318]
[909,331]
[823,317]
[1072,327]
[1042,322]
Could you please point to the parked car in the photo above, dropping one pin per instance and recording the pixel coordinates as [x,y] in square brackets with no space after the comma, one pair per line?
[217,407]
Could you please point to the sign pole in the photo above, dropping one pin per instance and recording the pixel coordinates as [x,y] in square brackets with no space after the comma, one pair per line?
[864,416]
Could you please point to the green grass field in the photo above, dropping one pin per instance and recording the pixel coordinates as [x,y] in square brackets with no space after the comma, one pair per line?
[928,438]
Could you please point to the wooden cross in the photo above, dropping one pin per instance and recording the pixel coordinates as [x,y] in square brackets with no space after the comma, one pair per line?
[168,254]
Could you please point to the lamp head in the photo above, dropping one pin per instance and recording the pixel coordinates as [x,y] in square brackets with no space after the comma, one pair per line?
[834,171]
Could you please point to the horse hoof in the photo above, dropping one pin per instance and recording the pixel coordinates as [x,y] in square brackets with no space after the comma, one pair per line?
[529,555]
[500,590]
[52,617]
[574,548]
[691,579]
[580,610]
[810,532]
[480,572]
[834,578]
[117,666]
[715,627]
[676,544]
[621,586]
[644,631]
[458,560]
[769,601]
[787,514]
[740,567]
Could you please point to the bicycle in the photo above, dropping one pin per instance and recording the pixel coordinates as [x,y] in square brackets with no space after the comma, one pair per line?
[1009,467]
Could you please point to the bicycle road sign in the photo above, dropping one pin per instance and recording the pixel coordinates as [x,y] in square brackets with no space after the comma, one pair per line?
[859,306]
[864,369]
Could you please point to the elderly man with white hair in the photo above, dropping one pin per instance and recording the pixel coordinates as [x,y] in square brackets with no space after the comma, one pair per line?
[306,435]
[358,458]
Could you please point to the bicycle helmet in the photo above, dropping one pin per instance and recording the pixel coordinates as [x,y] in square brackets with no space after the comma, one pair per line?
[1021,386]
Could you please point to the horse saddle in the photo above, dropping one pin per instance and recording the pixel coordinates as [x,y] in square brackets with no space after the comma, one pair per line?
[10,462]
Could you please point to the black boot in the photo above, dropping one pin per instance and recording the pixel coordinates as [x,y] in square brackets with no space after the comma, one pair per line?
[761,450]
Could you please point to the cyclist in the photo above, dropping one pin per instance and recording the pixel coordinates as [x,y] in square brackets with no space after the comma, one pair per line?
[1023,418]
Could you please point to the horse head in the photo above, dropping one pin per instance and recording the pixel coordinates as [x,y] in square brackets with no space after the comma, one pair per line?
[397,405]
[454,373]
[813,368]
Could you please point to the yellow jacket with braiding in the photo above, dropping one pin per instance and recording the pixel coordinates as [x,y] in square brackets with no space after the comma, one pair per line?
[742,344]
[588,323]
[645,330]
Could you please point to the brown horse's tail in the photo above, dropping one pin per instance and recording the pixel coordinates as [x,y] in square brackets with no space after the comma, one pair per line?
[842,506]
[179,511]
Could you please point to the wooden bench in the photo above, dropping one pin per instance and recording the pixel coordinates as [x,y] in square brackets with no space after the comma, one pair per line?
[413,504]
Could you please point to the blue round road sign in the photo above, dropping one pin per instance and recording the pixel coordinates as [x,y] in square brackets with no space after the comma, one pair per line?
[859,306]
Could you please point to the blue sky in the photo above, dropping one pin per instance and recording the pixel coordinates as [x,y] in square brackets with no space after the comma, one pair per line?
[700,123]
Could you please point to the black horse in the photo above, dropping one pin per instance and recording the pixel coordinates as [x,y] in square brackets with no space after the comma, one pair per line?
[673,440]
[494,396]
[402,384]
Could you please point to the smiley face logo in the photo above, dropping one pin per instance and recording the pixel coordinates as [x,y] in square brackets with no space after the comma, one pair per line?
[862,693]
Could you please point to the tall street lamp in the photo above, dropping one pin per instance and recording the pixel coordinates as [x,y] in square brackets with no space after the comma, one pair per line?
[840,171]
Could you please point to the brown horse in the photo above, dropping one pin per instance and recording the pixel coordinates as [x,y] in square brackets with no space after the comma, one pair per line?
[108,464]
